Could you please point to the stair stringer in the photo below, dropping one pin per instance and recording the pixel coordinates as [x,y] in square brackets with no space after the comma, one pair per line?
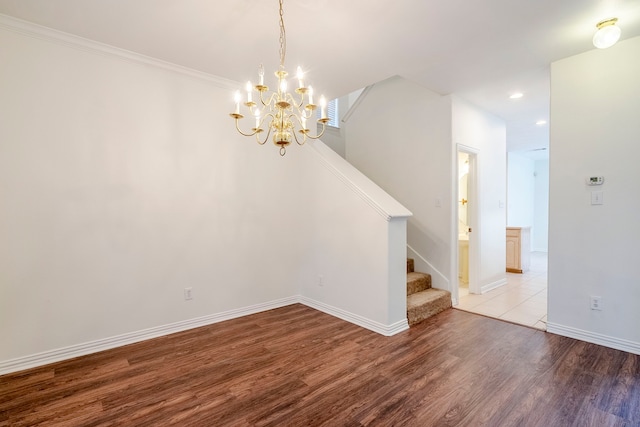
[438,280]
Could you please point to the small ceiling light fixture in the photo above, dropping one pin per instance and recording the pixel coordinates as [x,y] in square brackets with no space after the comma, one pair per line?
[541,122]
[608,33]
[516,95]
[285,112]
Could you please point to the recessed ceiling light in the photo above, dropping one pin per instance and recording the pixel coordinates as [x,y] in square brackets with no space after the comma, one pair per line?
[516,95]
[541,122]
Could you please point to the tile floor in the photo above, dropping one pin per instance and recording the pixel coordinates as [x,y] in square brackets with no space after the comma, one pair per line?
[522,300]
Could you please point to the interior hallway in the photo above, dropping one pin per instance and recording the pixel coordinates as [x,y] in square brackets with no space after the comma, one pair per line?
[523,300]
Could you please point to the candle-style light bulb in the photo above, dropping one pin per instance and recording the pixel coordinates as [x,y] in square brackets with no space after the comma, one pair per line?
[237,97]
[257,118]
[323,108]
[249,89]
[261,74]
[304,123]
[283,86]
[300,75]
[311,95]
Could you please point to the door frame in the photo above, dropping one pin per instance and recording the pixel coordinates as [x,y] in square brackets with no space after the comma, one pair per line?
[473,219]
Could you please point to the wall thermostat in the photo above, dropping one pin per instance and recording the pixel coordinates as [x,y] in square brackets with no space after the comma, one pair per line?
[595,180]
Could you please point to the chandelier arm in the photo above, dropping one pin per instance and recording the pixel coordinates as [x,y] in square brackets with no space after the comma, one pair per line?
[269,102]
[321,133]
[246,134]
[306,113]
[266,138]
[297,119]
[304,139]
[299,104]
[290,100]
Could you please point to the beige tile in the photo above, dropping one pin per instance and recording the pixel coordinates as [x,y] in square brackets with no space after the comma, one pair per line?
[540,325]
[498,303]
[533,288]
[490,310]
[533,308]
[541,295]
[523,299]
[511,298]
[479,298]
[467,304]
[520,317]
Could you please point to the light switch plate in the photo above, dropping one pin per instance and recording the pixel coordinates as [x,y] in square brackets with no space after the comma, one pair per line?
[597,197]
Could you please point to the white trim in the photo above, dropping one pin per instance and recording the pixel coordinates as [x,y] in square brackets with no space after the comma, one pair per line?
[475,239]
[491,286]
[439,280]
[83,349]
[594,338]
[70,40]
[386,330]
[353,179]
[357,102]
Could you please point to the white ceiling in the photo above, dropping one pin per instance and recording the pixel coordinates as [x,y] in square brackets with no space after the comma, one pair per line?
[481,50]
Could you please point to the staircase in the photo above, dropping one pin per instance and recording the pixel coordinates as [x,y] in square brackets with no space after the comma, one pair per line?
[422,300]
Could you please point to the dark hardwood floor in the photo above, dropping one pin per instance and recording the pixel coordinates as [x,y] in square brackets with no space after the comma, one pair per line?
[296,366]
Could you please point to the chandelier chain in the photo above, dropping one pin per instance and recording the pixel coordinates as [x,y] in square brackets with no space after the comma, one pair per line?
[283,37]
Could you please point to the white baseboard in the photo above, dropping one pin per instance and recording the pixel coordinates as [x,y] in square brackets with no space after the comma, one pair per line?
[491,286]
[386,330]
[57,355]
[83,349]
[594,338]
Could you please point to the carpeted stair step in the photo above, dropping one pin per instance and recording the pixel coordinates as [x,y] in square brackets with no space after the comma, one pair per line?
[418,282]
[410,265]
[427,303]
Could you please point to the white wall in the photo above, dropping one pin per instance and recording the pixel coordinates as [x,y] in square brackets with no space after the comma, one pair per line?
[122,184]
[520,190]
[593,250]
[528,197]
[404,137]
[357,254]
[123,181]
[485,133]
[540,231]
[400,136]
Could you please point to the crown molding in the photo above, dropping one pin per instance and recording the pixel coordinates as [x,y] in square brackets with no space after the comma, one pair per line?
[30,29]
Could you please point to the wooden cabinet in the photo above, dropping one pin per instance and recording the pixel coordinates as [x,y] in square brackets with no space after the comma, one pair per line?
[518,249]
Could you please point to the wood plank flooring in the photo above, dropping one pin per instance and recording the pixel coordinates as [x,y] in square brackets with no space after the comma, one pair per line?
[296,366]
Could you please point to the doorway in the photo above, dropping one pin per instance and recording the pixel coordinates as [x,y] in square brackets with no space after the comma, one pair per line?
[467,221]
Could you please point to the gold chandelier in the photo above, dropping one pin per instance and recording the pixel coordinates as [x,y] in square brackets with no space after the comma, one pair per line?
[282,112]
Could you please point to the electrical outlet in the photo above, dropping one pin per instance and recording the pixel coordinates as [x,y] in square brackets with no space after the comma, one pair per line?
[188,294]
[596,303]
